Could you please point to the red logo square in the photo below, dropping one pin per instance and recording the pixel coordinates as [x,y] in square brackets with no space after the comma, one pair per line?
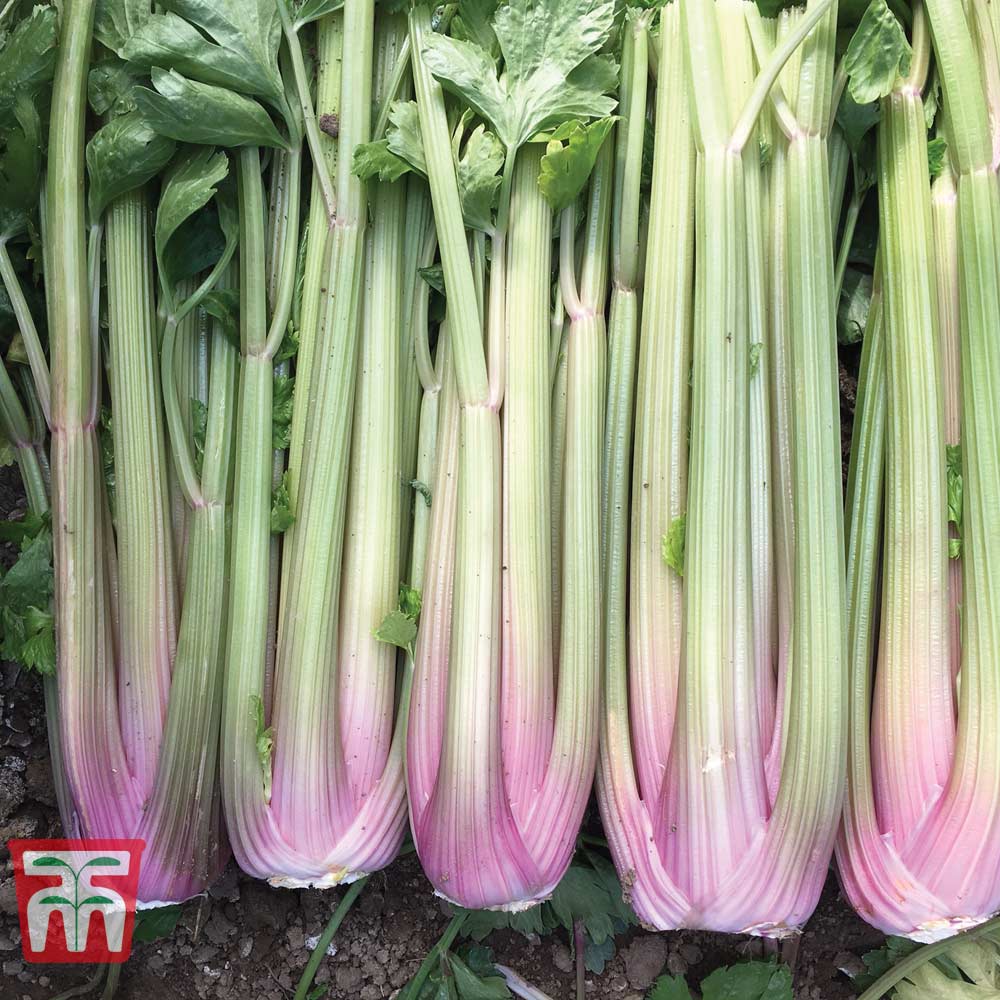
[76,898]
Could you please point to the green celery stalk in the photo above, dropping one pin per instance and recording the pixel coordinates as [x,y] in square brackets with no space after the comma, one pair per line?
[147,635]
[106,801]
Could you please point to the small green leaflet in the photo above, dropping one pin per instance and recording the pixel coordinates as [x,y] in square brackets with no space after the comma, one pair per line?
[116,21]
[473,23]
[191,183]
[281,412]
[569,158]
[399,152]
[855,303]
[290,342]
[199,429]
[749,981]
[202,113]
[107,441]
[877,55]
[755,350]
[20,168]
[937,151]
[672,544]
[478,170]
[313,10]
[282,517]
[895,949]
[8,456]
[669,988]
[122,156]
[27,632]
[856,120]
[159,922]
[109,87]
[224,305]
[589,892]
[434,276]
[399,627]
[550,75]
[28,58]
[954,466]
[264,742]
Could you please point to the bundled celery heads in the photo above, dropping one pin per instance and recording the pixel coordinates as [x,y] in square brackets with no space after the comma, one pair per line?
[918,856]
[502,737]
[722,762]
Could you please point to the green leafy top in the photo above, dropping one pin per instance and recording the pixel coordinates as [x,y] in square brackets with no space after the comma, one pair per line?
[27,633]
[745,981]
[570,154]
[28,59]
[551,73]
[877,55]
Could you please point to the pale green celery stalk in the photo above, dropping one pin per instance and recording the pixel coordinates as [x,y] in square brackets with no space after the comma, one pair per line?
[557,431]
[38,425]
[191,380]
[763,593]
[29,332]
[462,688]
[659,475]
[418,229]
[944,212]
[181,821]
[283,255]
[16,426]
[913,734]
[802,825]
[364,665]
[305,705]
[528,682]
[779,371]
[966,826]
[840,161]
[985,26]
[329,68]
[859,191]
[147,637]
[716,796]
[106,799]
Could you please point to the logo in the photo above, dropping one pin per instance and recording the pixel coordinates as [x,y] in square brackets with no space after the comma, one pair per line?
[76,898]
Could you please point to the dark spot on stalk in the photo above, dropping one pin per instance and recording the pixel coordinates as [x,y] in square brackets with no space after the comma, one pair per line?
[330,124]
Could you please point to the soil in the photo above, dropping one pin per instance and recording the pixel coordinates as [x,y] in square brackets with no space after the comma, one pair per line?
[244,939]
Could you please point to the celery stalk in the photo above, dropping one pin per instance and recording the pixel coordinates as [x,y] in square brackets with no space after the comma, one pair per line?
[106,800]
[148,632]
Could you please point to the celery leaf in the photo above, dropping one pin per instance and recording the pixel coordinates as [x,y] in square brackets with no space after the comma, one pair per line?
[953,455]
[190,184]
[855,302]
[122,156]
[672,544]
[550,71]
[376,160]
[481,984]
[20,168]
[28,59]
[749,981]
[473,23]
[116,21]
[669,988]
[263,741]
[155,923]
[223,304]
[282,516]
[189,111]
[478,171]
[856,120]
[109,87]
[228,43]
[569,159]
[27,632]
[397,629]
[937,151]
[313,10]
[434,276]
[404,137]
[281,411]
[199,429]
[877,55]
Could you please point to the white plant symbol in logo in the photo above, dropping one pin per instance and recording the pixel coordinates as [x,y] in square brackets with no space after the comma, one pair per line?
[77,899]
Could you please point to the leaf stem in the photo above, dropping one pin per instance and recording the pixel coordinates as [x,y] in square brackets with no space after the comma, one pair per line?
[29,332]
[332,926]
[412,992]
